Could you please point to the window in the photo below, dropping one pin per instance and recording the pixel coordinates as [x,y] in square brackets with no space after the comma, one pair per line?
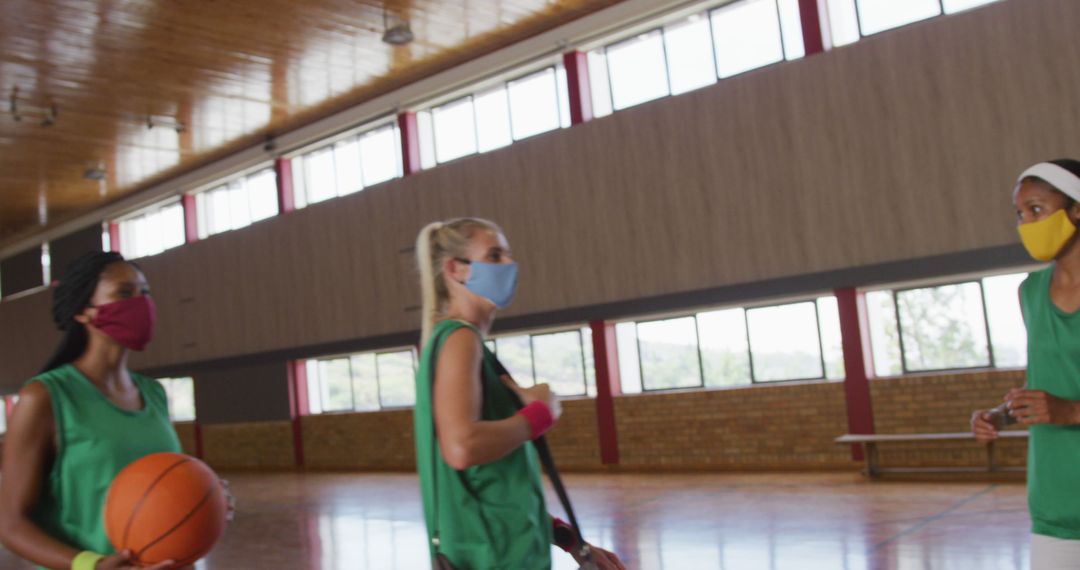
[694,52]
[973,324]
[563,360]
[348,165]
[152,230]
[181,394]
[362,382]
[3,416]
[785,342]
[46,264]
[238,203]
[732,347]
[495,117]
[851,19]
[747,36]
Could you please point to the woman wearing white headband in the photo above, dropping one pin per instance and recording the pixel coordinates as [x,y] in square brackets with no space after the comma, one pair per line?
[1047,200]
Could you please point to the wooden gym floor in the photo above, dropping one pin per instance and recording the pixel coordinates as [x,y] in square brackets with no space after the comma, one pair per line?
[707,521]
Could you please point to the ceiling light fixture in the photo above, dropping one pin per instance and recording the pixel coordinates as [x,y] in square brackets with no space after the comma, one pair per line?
[398,34]
[18,110]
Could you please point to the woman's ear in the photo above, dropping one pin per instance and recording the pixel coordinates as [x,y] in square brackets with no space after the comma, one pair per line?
[453,270]
[86,316]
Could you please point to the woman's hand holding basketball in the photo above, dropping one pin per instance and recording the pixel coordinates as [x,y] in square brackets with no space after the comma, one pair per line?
[122,561]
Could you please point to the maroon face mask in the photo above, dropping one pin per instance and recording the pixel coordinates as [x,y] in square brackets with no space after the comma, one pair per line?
[129,322]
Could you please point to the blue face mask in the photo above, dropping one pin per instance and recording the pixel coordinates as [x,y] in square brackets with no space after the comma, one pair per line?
[496,282]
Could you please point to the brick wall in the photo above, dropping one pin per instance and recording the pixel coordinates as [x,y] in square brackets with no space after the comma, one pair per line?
[778,426]
[575,441]
[941,403]
[257,445]
[186,432]
[783,426]
[373,440]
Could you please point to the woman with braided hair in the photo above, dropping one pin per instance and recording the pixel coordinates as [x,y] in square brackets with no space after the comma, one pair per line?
[83,419]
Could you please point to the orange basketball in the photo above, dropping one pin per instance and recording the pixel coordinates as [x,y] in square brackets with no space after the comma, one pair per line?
[165,506]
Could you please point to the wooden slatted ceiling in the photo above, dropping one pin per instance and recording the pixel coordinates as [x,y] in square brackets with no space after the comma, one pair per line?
[232,71]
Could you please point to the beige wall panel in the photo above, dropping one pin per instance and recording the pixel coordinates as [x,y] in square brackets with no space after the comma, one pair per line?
[27,338]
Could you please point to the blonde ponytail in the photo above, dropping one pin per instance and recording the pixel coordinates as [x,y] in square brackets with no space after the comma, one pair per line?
[437,242]
[429,304]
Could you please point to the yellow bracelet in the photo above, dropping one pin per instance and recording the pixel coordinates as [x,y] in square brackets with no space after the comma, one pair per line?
[86,560]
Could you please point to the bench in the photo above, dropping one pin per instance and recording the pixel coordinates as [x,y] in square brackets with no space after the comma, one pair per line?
[869,443]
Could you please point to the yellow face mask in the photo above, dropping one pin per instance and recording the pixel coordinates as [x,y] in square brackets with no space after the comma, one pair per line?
[1045,238]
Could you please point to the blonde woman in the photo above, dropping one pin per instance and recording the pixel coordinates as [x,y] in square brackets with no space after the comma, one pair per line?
[479,478]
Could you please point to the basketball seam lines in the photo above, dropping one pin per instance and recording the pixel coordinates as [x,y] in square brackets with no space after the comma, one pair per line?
[135,511]
[187,517]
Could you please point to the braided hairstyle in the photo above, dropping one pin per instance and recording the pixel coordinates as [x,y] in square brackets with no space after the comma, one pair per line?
[70,297]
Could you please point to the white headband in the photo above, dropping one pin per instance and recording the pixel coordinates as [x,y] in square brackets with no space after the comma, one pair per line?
[1056,176]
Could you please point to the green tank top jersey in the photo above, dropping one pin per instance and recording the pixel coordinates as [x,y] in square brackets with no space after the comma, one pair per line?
[95,441]
[492,516]
[1053,451]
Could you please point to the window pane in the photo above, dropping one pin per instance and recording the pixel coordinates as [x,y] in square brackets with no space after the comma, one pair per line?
[564,97]
[669,354]
[397,379]
[172,226]
[181,396]
[598,81]
[314,387]
[784,342]
[724,352]
[336,383]
[319,175]
[689,54]
[791,26]
[559,362]
[365,383]
[884,340]
[953,6]
[843,22]
[831,341]
[239,206]
[262,191]
[1007,332]
[299,168]
[534,104]
[425,125]
[455,130]
[493,120]
[3,416]
[943,327]
[515,353]
[747,36]
[629,365]
[637,71]
[380,155]
[590,362]
[347,167]
[880,15]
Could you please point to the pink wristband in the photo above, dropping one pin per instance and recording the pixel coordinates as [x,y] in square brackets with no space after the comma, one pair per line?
[539,417]
[563,535]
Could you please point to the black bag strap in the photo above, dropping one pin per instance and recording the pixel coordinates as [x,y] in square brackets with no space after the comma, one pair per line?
[548,461]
